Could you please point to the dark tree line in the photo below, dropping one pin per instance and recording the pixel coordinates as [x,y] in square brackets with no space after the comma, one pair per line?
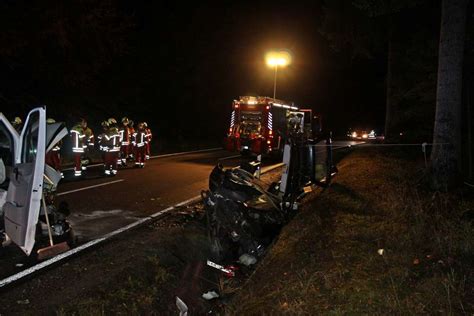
[423,88]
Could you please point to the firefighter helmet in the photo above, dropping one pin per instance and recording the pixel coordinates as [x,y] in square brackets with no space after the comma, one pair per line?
[125,120]
[131,123]
[50,120]
[145,124]
[112,121]
[17,121]
[105,124]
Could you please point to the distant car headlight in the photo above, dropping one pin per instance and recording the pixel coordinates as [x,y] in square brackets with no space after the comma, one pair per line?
[365,136]
[354,134]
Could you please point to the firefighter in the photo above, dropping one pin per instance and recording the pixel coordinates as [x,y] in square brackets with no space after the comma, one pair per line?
[53,157]
[139,142]
[115,143]
[108,148]
[131,148]
[124,132]
[148,140]
[82,139]
[17,124]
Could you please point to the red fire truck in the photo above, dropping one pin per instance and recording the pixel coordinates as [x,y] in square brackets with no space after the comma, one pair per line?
[261,125]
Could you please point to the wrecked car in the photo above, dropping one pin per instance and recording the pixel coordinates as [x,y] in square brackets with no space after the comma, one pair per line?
[28,185]
[244,214]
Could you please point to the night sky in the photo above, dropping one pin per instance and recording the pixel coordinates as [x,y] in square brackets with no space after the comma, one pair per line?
[179,66]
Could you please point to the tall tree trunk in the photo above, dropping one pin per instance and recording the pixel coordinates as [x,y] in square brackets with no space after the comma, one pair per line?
[446,154]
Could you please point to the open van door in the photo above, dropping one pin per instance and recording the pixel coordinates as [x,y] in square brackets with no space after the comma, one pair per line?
[22,207]
[9,141]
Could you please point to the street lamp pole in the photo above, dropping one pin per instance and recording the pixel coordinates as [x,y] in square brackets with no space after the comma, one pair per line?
[275,83]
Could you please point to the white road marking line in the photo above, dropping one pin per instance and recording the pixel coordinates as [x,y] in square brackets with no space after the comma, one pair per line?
[186,152]
[161,156]
[90,187]
[230,157]
[94,242]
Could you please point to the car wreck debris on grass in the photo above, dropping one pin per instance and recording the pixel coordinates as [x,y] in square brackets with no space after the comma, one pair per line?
[244,214]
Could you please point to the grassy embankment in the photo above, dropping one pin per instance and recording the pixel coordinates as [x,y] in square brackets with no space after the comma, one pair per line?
[376,242]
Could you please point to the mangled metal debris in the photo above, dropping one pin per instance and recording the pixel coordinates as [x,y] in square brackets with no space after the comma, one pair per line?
[247,259]
[210,295]
[182,307]
[244,214]
[229,271]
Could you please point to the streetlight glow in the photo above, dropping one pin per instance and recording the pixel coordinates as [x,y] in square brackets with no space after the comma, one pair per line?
[275,60]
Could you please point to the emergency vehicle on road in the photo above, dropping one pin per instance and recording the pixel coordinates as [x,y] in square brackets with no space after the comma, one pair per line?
[261,125]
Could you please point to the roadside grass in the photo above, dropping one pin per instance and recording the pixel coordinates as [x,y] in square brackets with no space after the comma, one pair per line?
[327,261]
[138,293]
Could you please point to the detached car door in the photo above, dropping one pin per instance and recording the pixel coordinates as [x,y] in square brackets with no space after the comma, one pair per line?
[23,202]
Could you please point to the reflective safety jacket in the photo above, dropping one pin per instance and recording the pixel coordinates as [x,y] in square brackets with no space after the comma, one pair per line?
[81,138]
[148,134]
[139,138]
[90,140]
[124,133]
[78,139]
[109,141]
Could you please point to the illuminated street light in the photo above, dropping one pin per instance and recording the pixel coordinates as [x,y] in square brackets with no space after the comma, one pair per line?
[275,59]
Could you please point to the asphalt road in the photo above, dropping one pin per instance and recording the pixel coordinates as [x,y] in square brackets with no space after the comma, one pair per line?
[101,204]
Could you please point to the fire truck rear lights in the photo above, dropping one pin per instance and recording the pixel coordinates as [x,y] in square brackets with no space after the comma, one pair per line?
[269,142]
[236,106]
[267,107]
[270,132]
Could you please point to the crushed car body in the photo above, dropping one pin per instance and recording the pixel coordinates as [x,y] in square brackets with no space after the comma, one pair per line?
[244,214]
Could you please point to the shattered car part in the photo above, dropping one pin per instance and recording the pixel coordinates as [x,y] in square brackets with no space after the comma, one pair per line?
[247,259]
[221,268]
[210,295]
[182,307]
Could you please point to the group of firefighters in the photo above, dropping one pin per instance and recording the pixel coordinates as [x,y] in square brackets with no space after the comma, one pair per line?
[118,144]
